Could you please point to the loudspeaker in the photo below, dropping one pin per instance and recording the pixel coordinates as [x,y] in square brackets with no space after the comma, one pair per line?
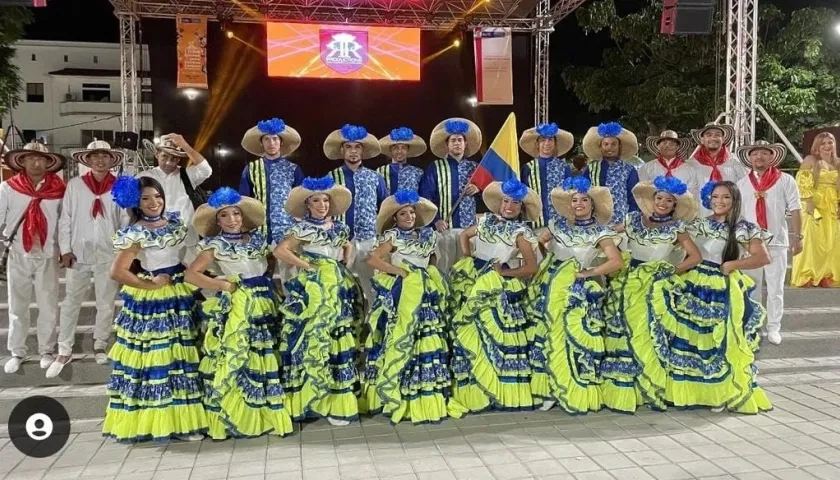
[126,140]
[687,17]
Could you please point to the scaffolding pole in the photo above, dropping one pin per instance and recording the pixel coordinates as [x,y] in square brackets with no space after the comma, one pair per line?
[544,27]
[741,58]
[128,73]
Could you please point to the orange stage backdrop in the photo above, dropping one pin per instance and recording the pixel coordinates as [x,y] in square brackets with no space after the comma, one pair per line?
[338,51]
[192,51]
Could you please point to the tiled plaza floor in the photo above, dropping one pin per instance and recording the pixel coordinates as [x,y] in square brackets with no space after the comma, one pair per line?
[800,439]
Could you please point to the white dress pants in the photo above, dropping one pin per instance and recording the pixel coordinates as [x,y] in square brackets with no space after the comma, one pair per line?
[448,249]
[363,248]
[773,275]
[24,273]
[78,281]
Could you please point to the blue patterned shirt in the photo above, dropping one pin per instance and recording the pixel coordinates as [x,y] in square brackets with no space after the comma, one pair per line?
[368,189]
[270,182]
[620,177]
[442,184]
[400,176]
[544,175]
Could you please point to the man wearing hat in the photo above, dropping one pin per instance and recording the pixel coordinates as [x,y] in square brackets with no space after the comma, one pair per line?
[353,144]
[546,144]
[271,177]
[446,184]
[609,146]
[89,218]
[29,209]
[401,144]
[671,151]
[173,154]
[712,160]
[767,195]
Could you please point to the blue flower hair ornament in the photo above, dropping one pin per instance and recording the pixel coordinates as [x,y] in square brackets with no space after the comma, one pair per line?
[126,191]
[547,130]
[353,133]
[706,194]
[672,185]
[611,129]
[456,127]
[402,134]
[224,197]
[273,126]
[406,197]
[579,183]
[318,184]
[514,189]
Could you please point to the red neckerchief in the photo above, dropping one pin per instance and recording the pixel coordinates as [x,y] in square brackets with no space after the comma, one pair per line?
[761,185]
[670,167]
[98,188]
[34,221]
[705,158]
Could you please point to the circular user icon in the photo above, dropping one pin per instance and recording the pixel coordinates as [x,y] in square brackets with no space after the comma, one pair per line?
[39,426]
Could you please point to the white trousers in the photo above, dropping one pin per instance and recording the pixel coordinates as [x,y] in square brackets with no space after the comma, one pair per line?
[24,274]
[448,249]
[361,268]
[77,284]
[773,275]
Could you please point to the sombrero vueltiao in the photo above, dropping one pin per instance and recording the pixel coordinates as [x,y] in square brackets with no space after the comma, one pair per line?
[13,158]
[728,132]
[455,126]
[404,136]
[351,133]
[340,196]
[686,207]
[204,220]
[779,152]
[424,210]
[592,141]
[82,156]
[513,188]
[167,146]
[602,202]
[252,140]
[683,144]
[563,140]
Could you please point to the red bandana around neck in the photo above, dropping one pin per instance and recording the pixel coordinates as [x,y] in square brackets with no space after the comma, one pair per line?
[705,158]
[761,185]
[98,188]
[670,166]
[34,221]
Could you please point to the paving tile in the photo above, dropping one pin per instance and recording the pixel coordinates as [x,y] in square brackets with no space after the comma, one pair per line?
[702,468]
[613,461]
[647,457]
[800,459]
[634,473]
[824,472]
[479,473]
[579,464]
[464,460]
[429,464]
[735,465]
[596,475]
[509,471]
[668,472]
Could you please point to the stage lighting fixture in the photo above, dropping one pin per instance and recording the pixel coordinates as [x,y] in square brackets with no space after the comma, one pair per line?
[837,28]
[229,34]
[223,151]
[473,101]
[456,43]
[191,93]
[156,140]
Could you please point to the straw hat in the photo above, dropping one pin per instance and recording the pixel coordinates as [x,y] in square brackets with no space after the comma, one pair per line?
[340,197]
[405,136]
[602,202]
[683,144]
[351,133]
[204,220]
[82,156]
[563,140]
[424,210]
[455,126]
[252,140]
[592,140]
[167,146]
[779,152]
[728,132]
[513,188]
[13,158]
[643,192]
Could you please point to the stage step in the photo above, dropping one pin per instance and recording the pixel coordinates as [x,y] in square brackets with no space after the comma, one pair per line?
[83,370]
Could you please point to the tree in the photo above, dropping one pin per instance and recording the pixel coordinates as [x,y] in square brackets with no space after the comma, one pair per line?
[12,22]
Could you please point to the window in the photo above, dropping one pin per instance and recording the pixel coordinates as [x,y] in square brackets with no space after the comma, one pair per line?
[95,59]
[29,135]
[35,93]
[146,95]
[89,135]
[34,58]
[96,92]
[65,59]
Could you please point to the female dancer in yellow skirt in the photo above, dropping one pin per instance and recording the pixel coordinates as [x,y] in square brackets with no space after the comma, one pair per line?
[490,345]
[240,369]
[819,187]
[566,301]
[644,296]
[154,389]
[407,374]
[324,307]
[710,346]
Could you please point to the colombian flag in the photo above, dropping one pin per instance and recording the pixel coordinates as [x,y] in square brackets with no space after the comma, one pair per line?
[501,162]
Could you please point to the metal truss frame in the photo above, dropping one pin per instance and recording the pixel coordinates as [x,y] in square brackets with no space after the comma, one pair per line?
[741,60]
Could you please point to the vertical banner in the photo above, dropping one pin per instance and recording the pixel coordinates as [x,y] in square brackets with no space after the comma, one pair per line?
[493,66]
[192,51]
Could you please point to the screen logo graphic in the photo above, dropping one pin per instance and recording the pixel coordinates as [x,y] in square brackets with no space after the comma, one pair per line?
[39,426]
[344,51]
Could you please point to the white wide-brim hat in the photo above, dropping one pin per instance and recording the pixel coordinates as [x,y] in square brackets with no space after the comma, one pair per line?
[252,140]
[13,158]
[455,126]
[340,196]
[354,134]
[563,140]
[686,207]
[592,141]
[684,144]
[403,136]
[204,220]
[83,156]
[424,210]
[496,191]
[779,152]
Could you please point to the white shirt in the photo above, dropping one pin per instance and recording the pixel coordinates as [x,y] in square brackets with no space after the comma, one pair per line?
[731,170]
[176,196]
[685,172]
[12,207]
[79,233]
[783,197]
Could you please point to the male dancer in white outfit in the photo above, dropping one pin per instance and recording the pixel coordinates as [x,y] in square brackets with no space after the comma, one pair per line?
[671,153]
[29,206]
[89,218]
[768,195]
[712,160]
